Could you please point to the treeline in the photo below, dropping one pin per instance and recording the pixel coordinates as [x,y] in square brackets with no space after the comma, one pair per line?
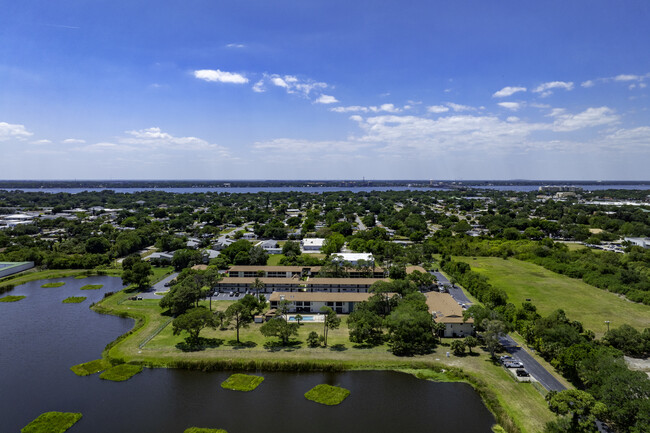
[595,366]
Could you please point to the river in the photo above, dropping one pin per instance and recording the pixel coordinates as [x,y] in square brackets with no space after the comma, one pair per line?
[42,338]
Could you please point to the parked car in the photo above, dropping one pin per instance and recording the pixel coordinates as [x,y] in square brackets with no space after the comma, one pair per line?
[522,373]
[506,358]
[231,294]
[513,364]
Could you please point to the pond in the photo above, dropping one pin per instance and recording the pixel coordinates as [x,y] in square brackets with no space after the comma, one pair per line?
[42,338]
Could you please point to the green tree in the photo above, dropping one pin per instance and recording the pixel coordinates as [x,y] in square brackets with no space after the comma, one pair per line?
[97,245]
[192,322]
[410,327]
[494,329]
[365,326]
[458,347]
[186,258]
[471,341]
[332,321]
[291,249]
[333,244]
[138,274]
[257,286]
[240,315]
[579,407]
[278,327]
[181,297]
[313,340]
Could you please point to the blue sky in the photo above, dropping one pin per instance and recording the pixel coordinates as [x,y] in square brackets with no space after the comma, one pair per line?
[206,89]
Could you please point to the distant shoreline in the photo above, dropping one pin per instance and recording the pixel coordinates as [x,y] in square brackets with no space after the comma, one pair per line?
[415,183]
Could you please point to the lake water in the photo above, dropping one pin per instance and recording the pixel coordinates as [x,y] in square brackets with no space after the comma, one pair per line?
[42,338]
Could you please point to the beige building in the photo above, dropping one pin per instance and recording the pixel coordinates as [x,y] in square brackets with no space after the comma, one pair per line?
[446,310]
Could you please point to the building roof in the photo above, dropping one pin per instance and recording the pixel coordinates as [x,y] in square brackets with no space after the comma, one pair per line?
[344,281]
[268,281]
[354,257]
[253,268]
[313,242]
[445,309]
[411,269]
[319,297]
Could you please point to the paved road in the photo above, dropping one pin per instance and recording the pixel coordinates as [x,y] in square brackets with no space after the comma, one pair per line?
[546,379]
[158,287]
[455,291]
[361,225]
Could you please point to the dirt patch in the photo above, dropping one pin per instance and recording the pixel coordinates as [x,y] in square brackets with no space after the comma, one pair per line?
[638,364]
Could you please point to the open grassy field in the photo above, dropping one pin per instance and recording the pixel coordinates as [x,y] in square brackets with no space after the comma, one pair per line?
[274,259]
[152,343]
[550,291]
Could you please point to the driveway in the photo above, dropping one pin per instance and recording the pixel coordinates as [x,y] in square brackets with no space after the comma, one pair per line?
[546,379]
[455,291]
[158,287]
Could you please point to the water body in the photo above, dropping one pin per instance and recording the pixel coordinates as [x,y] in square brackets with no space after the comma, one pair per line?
[314,190]
[42,338]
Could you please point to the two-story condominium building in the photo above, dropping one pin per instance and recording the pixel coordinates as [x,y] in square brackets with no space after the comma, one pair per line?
[446,310]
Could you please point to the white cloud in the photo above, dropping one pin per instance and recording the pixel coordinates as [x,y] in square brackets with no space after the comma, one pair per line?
[546,89]
[277,81]
[588,83]
[508,91]
[73,141]
[388,108]
[459,107]
[44,141]
[589,118]
[259,87]
[326,99]
[627,77]
[514,106]
[350,109]
[219,76]
[437,109]
[9,131]
[235,46]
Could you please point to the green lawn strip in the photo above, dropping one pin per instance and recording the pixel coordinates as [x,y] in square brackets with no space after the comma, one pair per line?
[121,372]
[52,422]
[549,291]
[74,300]
[80,277]
[92,287]
[327,394]
[242,382]
[12,298]
[53,285]
[204,430]
[90,367]
[274,259]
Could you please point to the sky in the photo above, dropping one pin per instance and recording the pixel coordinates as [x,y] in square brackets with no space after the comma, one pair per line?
[254,89]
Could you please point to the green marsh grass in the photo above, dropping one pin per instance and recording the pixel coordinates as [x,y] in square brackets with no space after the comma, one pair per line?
[242,382]
[121,372]
[52,422]
[327,394]
[12,298]
[74,300]
[92,287]
[53,285]
[90,367]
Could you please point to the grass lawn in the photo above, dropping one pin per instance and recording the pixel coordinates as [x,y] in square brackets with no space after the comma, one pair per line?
[92,287]
[90,367]
[53,285]
[121,372]
[204,430]
[74,300]
[52,422]
[242,382]
[12,298]
[550,291]
[327,394]
[274,259]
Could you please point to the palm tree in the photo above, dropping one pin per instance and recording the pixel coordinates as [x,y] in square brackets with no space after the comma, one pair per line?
[258,285]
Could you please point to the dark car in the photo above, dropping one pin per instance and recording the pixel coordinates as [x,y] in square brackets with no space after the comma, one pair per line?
[522,373]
